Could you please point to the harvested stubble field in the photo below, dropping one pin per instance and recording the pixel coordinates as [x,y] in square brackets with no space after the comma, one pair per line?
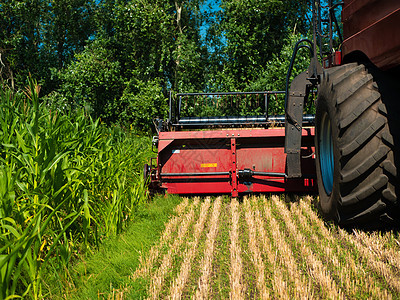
[265,247]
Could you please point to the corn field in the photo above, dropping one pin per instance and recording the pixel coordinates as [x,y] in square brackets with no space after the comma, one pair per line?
[265,248]
[66,182]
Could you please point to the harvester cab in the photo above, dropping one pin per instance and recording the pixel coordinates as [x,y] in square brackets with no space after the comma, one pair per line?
[232,143]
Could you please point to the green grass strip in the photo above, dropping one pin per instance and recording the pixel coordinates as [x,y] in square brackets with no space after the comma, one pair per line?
[108,272]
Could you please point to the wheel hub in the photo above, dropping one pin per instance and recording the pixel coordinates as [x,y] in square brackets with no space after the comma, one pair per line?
[326,157]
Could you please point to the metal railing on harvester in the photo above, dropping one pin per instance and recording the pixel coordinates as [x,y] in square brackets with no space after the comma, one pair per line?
[227,109]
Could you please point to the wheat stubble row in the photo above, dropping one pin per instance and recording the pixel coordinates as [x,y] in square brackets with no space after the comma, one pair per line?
[262,247]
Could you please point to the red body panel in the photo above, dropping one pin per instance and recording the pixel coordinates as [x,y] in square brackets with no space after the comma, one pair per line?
[372,27]
[225,152]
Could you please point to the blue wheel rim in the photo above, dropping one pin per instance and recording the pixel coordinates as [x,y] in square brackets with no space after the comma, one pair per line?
[326,154]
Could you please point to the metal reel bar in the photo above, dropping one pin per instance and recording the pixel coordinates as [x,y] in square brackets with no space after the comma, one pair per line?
[214,108]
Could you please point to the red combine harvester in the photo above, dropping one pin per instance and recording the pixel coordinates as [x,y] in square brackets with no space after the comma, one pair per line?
[215,143]
[250,159]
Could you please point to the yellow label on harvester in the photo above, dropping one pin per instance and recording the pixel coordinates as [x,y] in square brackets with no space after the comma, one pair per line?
[212,165]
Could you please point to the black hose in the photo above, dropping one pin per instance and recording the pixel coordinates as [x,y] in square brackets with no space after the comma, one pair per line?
[289,72]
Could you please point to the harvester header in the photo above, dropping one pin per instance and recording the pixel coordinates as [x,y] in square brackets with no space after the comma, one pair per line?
[225,152]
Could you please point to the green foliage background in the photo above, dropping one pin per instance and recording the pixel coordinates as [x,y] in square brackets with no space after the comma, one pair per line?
[119,59]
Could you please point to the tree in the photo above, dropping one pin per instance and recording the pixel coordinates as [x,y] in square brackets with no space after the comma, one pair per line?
[37,35]
[20,39]
[190,54]
[142,43]
[143,101]
[94,79]
[273,76]
[67,26]
[253,31]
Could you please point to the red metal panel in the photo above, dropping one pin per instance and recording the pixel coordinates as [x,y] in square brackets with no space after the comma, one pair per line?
[223,153]
[204,187]
[196,157]
[357,15]
[371,26]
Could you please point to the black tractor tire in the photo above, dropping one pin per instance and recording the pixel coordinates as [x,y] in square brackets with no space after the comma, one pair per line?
[356,171]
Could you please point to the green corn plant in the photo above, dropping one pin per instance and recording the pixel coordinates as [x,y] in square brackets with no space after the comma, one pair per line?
[26,257]
[66,181]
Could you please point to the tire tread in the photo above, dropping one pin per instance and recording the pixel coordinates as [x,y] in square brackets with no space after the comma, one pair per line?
[350,118]
[368,190]
[365,165]
[367,180]
[367,134]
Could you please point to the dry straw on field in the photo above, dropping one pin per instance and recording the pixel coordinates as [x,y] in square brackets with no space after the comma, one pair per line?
[158,278]
[316,268]
[147,261]
[377,243]
[181,207]
[286,257]
[180,280]
[257,258]
[203,290]
[236,267]
[360,281]
[349,273]
[379,267]
[267,249]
